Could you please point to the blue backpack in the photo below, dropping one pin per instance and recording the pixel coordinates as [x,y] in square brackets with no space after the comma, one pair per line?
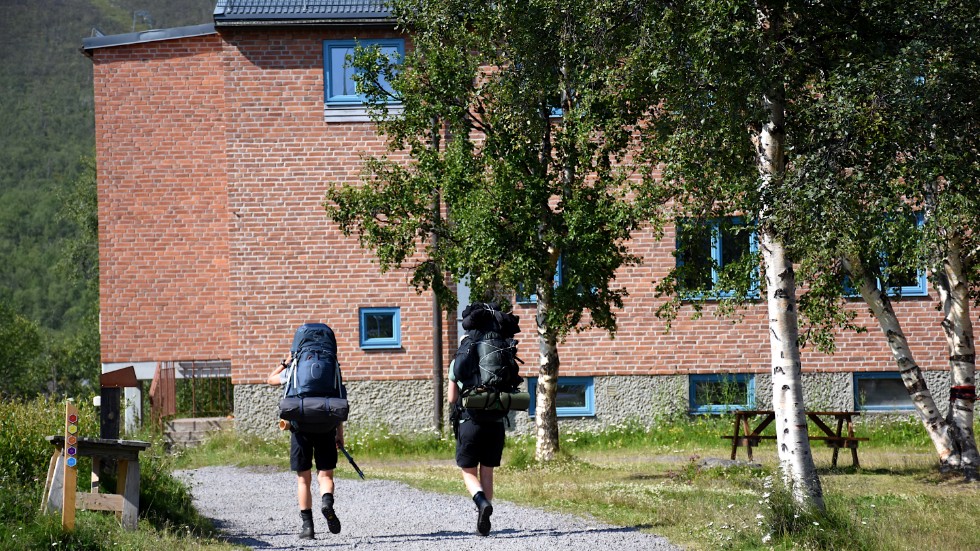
[315,399]
[314,367]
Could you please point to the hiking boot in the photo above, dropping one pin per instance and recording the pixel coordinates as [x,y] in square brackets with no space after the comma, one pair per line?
[307,532]
[333,523]
[483,511]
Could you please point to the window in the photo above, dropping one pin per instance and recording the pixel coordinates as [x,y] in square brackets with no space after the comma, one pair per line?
[575,397]
[704,249]
[908,283]
[881,392]
[340,89]
[381,328]
[720,393]
[532,298]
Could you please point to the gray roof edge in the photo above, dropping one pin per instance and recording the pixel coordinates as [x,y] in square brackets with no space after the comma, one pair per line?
[322,21]
[153,35]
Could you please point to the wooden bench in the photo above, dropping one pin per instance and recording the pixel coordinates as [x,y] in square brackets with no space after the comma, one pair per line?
[59,490]
[745,435]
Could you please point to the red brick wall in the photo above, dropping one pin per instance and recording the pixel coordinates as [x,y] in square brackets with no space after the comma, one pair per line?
[214,158]
[712,344]
[289,263]
[163,216]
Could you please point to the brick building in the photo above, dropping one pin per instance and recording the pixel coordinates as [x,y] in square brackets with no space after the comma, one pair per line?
[215,146]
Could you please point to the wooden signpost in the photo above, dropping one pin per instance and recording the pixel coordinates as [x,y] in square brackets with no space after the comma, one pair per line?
[71,467]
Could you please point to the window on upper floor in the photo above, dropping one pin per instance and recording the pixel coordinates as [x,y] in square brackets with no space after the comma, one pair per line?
[380,328]
[904,282]
[340,90]
[723,392]
[706,248]
[523,297]
[881,392]
[575,396]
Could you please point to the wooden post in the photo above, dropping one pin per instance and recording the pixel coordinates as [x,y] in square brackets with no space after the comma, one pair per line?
[70,467]
[109,412]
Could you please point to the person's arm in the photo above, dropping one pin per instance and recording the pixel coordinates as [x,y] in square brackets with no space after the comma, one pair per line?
[453,392]
[274,377]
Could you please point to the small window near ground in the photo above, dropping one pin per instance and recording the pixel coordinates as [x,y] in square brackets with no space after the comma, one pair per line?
[381,328]
[720,393]
[575,397]
[881,392]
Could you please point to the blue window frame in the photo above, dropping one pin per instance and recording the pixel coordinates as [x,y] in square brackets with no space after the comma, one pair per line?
[881,391]
[705,248]
[722,392]
[380,328]
[532,298]
[338,74]
[911,283]
[575,398]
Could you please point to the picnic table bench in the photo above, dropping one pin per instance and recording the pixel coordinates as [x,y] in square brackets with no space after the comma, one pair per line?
[745,435]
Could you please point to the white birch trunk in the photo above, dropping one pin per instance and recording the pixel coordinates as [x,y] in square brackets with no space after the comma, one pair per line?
[915,383]
[545,407]
[958,327]
[792,442]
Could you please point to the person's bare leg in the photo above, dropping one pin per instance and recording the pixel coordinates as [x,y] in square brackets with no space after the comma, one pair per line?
[486,481]
[305,500]
[471,479]
[325,479]
[303,495]
[476,479]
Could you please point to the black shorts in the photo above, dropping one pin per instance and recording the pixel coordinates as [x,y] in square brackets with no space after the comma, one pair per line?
[304,448]
[480,444]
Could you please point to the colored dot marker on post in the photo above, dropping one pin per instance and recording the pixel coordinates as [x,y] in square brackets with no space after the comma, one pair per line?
[72,418]
[72,450]
[72,429]
[72,440]
[71,462]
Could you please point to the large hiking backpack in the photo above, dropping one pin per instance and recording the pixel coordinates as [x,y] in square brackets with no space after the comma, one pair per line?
[486,369]
[486,361]
[315,399]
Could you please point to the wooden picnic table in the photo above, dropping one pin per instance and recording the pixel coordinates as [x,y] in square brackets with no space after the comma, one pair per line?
[745,435]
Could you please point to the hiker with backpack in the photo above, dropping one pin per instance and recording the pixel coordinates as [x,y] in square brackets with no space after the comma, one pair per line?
[313,408]
[483,389]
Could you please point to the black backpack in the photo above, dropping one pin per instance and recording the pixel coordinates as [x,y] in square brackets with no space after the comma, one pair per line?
[486,362]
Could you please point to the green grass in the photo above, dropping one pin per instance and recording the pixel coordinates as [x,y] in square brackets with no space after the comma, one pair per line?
[651,479]
[167,519]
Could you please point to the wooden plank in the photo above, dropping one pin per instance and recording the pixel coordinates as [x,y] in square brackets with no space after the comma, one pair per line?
[55,492]
[99,502]
[52,465]
[130,490]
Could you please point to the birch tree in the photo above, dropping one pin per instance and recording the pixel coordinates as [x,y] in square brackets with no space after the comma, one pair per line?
[731,76]
[532,172]
[897,126]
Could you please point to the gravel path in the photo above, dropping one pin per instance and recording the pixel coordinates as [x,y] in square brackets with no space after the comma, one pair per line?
[257,508]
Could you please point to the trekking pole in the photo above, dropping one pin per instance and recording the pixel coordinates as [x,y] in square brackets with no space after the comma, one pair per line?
[351,461]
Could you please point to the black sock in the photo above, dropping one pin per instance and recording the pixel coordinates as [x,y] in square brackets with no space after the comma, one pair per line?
[306,514]
[326,500]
